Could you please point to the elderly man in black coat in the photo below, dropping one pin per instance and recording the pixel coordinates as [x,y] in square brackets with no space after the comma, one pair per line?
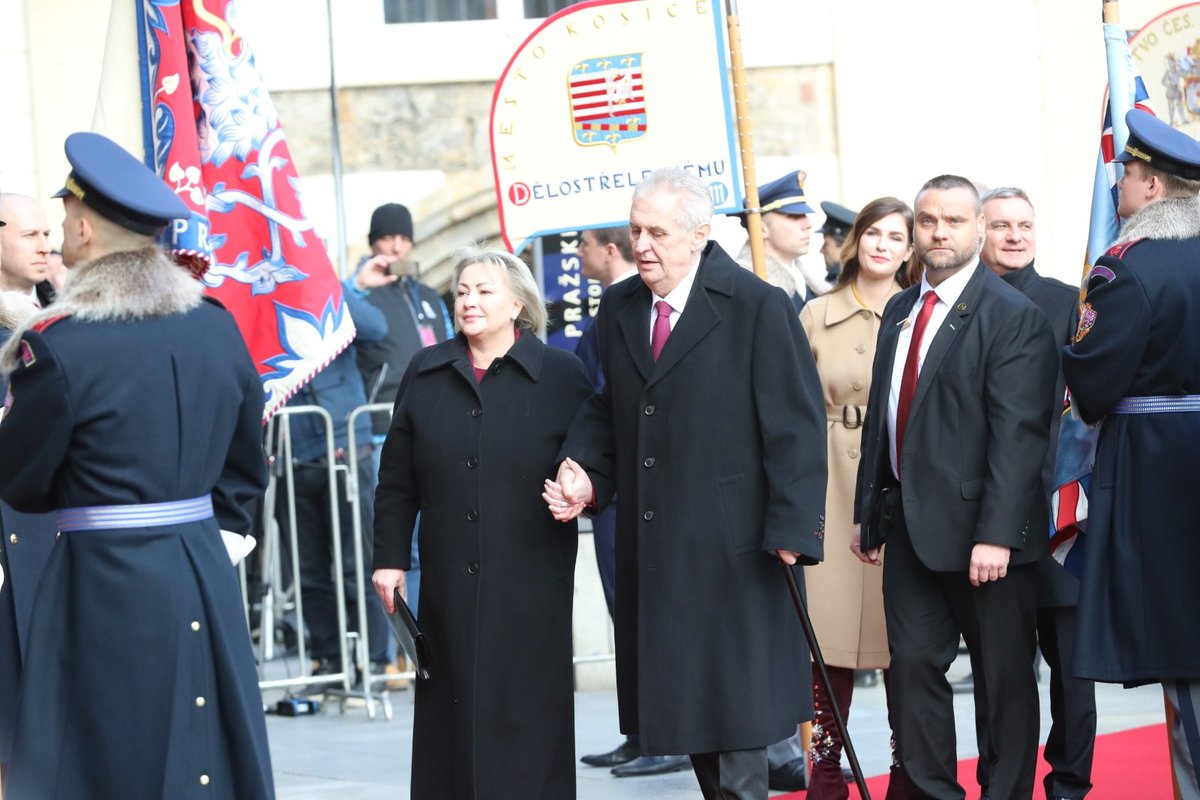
[1009,247]
[712,431]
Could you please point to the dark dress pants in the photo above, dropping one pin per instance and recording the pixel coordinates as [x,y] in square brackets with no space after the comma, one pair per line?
[732,775]
[1072,739]
[926,613]
[315,544]
[604,533]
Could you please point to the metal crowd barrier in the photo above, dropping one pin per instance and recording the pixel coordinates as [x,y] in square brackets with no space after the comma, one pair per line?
[277,601]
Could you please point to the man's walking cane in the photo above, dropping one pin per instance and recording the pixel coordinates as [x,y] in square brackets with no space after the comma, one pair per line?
[823,676]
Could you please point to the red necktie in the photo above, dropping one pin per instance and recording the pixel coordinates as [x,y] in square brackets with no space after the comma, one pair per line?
[908,383]
[662,328]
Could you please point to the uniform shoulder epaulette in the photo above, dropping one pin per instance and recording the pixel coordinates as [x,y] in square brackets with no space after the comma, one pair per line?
[1119,250]
[40,327]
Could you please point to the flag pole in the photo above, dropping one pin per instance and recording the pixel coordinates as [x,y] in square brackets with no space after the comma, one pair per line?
[745,141]
[336,147]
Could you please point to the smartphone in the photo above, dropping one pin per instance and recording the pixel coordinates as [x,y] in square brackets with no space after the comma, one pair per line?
[402,267]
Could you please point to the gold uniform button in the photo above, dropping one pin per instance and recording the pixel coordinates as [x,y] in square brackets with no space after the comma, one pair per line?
[199,702]
[857,386]
[862,348]
[13,538]
[195,625]
[853,453]
[204,780]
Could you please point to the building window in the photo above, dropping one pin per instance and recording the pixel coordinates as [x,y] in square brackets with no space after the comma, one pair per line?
[400,11]
[536,9]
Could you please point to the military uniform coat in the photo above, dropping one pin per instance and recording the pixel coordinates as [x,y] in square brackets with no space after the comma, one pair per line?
[496,718]
[717,451]
[1138,337]
[139,679]
[25,544]
[845,596]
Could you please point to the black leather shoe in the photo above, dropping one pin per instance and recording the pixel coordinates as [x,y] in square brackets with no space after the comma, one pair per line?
[652,765]
[623,753]
[789,777]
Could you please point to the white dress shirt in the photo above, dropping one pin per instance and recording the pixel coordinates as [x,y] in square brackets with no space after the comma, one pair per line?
[676,299]
[947,293]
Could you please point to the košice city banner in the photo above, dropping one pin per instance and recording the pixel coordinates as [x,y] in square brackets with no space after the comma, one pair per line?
[597,97]
[211,132]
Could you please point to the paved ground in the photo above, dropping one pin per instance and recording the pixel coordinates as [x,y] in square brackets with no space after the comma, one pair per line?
[334,756]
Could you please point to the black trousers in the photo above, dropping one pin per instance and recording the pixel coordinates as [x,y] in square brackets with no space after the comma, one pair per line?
[732,775]
[926,613]
[1072,739]
[315,545]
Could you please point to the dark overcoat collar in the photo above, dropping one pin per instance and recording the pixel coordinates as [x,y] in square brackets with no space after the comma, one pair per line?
[528,352]
[716,273]
[1021,279]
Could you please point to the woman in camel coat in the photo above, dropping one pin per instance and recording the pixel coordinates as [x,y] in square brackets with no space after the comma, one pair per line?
[845,595]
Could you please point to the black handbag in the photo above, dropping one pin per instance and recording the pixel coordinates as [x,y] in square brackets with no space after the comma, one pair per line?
[412,641]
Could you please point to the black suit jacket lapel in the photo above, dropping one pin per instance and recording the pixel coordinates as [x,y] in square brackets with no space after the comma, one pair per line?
[634,322]
[954,322]
[698,318]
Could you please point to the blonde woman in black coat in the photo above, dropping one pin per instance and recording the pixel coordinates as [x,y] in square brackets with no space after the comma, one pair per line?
[478,421]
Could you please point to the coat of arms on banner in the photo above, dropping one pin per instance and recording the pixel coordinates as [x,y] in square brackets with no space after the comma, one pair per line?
[608,100]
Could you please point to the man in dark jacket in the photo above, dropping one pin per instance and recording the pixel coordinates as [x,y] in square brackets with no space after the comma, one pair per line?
[138,414]
[25,544]
[1135,368]
[1009,247]
[338,389]
[712,431]
[957,427]
[416,317]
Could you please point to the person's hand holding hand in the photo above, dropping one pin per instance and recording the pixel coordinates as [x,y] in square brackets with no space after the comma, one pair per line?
[568,496]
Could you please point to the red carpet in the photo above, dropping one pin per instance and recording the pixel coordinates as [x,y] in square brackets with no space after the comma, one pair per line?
[1128,764]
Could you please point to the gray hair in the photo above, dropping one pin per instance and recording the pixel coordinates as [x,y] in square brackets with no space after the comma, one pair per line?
[520,281]
[1005,193]
[944,182]
[695,204]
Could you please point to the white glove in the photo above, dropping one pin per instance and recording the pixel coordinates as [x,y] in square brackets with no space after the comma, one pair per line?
[238,546]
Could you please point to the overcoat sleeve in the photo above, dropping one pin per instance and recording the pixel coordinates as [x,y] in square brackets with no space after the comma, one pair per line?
[38,392]
[1114,327]
[244,474]
[1020,372]
[397,499]
[791,416]
[590,440]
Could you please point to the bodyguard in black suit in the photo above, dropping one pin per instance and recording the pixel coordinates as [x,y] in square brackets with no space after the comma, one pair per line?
[951,469]
[1009,248]
[712,431]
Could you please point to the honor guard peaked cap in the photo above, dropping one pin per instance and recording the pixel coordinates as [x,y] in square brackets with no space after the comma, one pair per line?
[838,219]
[785,194]
[1158,145]
[117,186]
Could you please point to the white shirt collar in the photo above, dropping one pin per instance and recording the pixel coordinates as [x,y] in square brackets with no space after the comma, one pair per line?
[949,290]
[677,297]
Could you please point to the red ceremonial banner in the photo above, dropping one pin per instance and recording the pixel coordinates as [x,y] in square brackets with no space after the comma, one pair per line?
[211,132]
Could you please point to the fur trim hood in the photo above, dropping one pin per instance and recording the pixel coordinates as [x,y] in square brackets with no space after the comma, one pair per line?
[1173,218]
[131,285]
[15,309]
